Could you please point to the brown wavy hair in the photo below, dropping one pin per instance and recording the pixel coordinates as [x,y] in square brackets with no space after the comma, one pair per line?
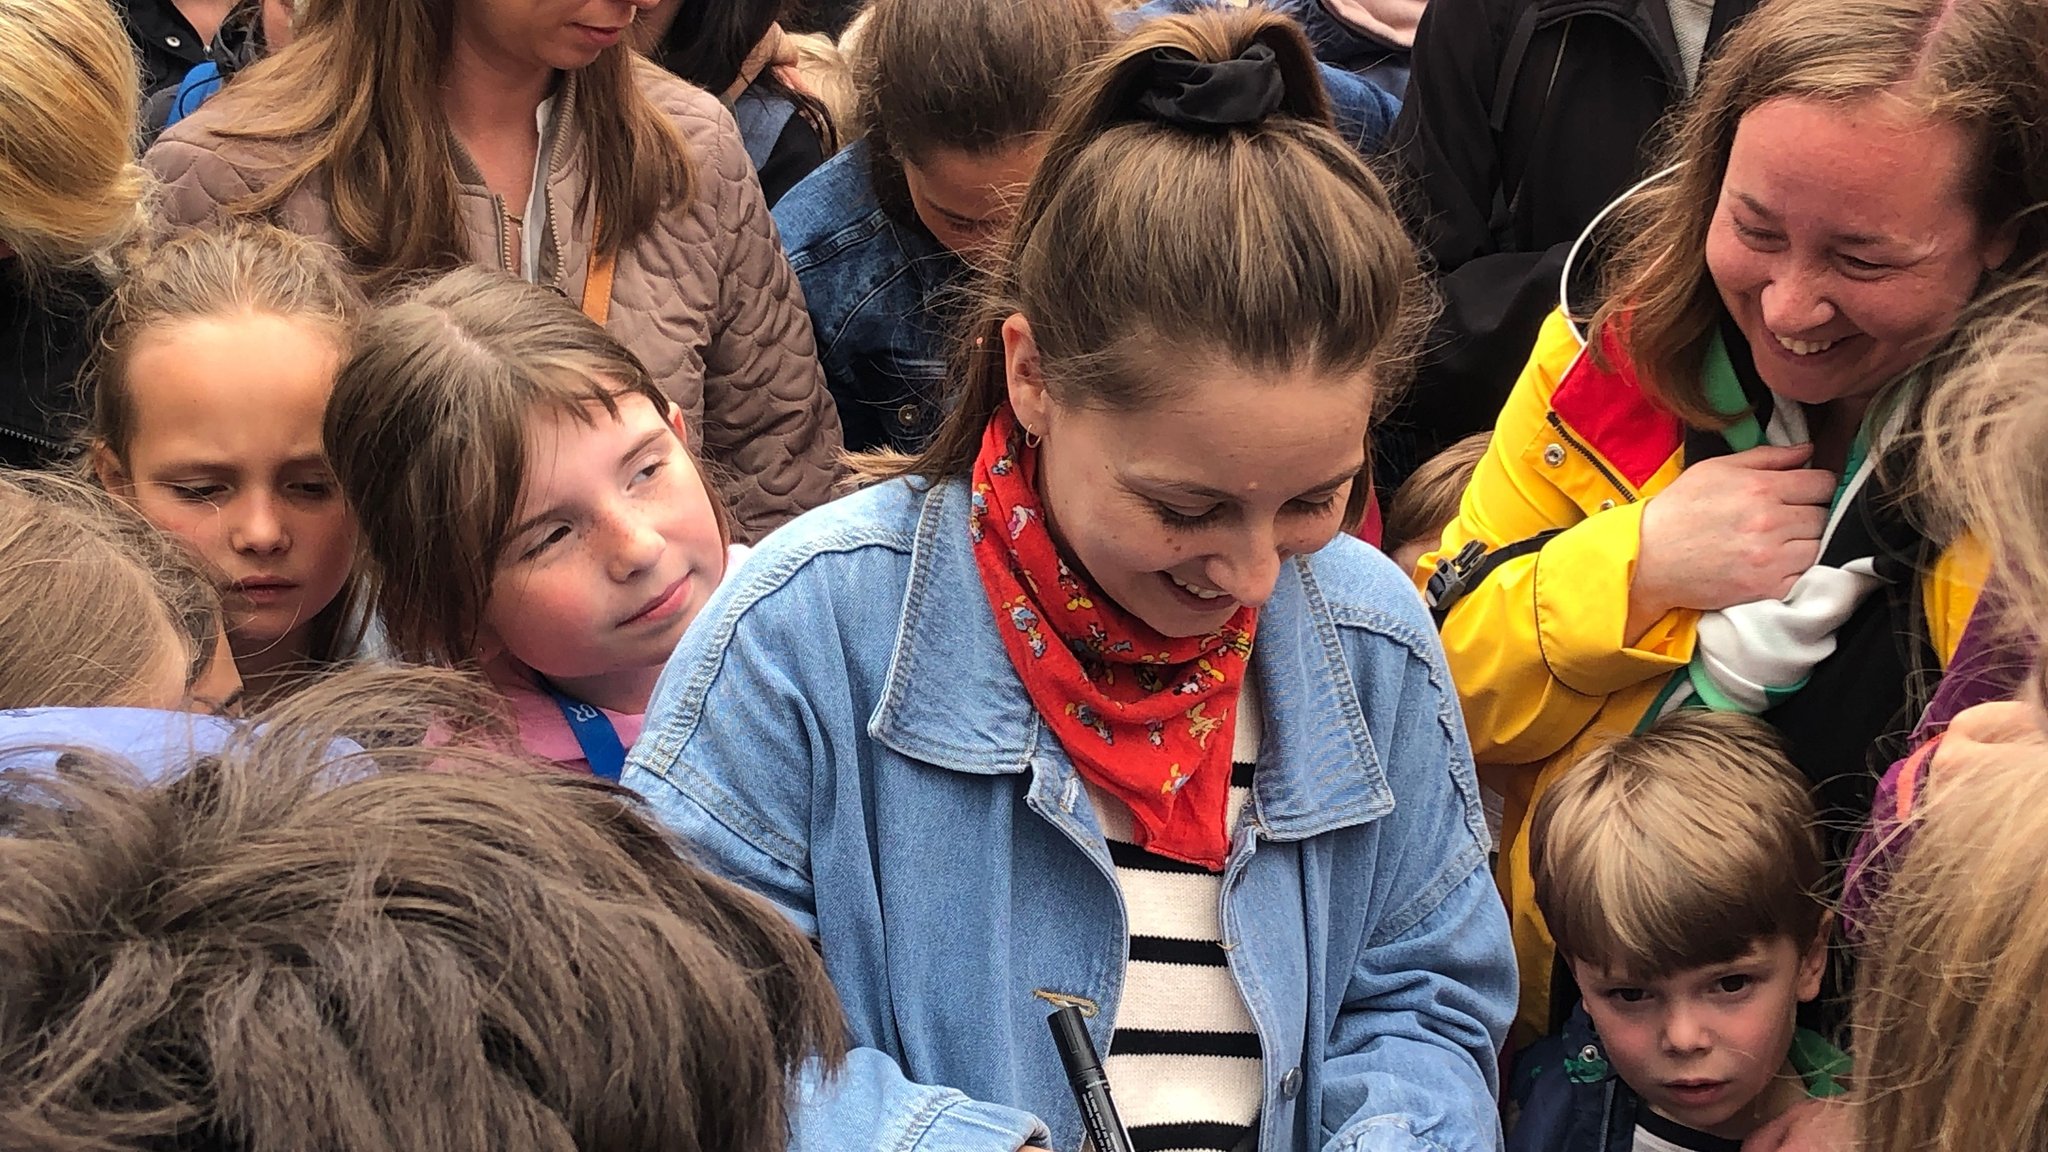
[1979,64]
[1271,245]
[293,944]
[361,83]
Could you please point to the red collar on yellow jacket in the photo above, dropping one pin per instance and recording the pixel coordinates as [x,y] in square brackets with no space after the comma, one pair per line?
[1607,409]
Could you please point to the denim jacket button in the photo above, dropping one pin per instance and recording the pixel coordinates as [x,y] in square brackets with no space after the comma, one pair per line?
[907,415]
[1290,1084]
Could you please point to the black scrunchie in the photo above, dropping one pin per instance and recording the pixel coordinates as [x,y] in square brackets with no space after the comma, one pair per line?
[1186,92]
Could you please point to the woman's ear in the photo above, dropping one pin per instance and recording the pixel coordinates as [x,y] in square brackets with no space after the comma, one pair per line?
[1028,397]
[675,421]
[107,469]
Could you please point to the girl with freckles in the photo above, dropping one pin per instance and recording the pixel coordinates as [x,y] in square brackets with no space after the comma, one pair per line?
[1094,702]
[1693,500]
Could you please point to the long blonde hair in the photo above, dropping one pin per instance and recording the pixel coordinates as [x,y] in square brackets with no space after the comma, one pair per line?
[69,184]
[1272,245]
[361,82]
[1949,1040]
[1978,64]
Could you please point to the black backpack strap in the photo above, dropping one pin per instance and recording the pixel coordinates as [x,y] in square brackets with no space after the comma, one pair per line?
[1511,66]
[1457,575]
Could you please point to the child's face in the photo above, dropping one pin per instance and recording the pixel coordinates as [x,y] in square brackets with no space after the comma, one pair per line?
[614,548]
[1707,1046]
[1185,511]
[226,455]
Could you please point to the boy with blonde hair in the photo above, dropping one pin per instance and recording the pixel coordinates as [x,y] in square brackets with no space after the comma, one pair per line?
[1678,870]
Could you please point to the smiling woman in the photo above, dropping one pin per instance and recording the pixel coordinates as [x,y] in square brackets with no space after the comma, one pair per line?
[1698,503]
[1093,702]
[528,136]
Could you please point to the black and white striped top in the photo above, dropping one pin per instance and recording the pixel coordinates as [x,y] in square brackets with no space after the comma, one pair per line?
[1184,1062]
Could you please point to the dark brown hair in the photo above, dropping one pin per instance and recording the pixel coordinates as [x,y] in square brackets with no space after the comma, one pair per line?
[709,44]
[427,433]
[1270,245]
[1979,64]
[361,81]
[965,75]
[292,946]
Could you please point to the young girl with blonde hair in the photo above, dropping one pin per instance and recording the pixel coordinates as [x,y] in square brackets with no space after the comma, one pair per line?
[218,353]
[1947,1028]
[531,505]
[1942,891]
[1947,1024]
[69,191]
[1093,703]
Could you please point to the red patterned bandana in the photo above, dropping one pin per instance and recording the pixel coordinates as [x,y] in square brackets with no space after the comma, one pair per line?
[1145,717]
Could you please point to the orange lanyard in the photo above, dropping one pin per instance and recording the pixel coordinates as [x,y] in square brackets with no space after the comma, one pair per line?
[597,280]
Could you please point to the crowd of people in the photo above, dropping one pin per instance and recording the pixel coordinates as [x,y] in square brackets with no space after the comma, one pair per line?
[682,574]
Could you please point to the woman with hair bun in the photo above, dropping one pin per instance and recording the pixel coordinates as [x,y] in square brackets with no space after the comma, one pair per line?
[1094,703]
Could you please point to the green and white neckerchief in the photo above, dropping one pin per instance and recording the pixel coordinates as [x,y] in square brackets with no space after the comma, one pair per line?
[1750,657]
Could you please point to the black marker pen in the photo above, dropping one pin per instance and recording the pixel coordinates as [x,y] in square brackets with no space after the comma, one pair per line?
[1090,1084]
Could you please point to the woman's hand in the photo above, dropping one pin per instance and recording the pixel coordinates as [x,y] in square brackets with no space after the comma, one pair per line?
[1728,531]
[1987,734]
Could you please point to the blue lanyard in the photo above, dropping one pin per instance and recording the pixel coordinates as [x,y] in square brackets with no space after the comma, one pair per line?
[594,734]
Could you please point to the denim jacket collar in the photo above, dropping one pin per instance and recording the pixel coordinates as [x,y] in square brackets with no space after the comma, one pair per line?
[1319,768]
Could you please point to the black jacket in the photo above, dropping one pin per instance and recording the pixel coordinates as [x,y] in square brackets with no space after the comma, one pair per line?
[1523,119]
[166,47]
[45,336]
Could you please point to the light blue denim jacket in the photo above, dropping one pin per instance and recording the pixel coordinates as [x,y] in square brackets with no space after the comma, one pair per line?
[842,732]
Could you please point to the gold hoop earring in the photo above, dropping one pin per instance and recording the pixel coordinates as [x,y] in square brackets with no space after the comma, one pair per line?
[1032,439]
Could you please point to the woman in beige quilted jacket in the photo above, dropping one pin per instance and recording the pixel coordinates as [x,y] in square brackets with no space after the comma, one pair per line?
[526,135]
